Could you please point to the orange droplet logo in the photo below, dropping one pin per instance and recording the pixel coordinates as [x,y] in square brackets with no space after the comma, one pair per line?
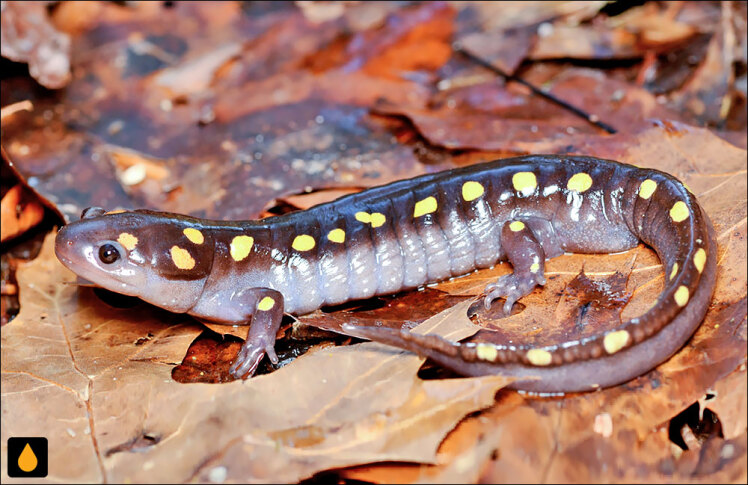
[27,459]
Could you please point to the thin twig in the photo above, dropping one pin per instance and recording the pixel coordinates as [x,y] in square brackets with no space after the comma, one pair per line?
[511,77]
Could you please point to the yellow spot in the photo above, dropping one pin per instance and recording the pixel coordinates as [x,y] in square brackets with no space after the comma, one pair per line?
[425,206]
[182,258]
[336,236]
[674,271]
[524,182]
[377,219]
[364,217]
[538,357]
[579,182]
[699,259]
[679,212]
[647,188]
[27,460]
[118,211]
[241,246]
[517,226]
[681,296]
[194,235]
[472,190]
[266,304]
[127,240]
[486,352]
[303,242]
[534,267]
[615,341]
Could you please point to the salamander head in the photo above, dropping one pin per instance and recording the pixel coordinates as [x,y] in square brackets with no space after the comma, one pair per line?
[162,258]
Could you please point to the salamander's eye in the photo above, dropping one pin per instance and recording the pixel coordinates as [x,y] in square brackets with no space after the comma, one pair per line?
[108,254]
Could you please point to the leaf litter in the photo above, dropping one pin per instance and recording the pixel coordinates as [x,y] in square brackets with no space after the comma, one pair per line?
[254,126]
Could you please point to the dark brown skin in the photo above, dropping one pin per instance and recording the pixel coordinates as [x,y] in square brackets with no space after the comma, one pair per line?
[409,233]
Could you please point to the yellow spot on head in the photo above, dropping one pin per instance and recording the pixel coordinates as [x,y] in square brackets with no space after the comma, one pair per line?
[336,236]
[534,267]
[303,242]
[681,296]
[538,356]
[241,246]
[182,258]
[425,206]
[699,259]
[647,188]
[266,304]
[377,219]
[615,341]
[486,352]
[524,182]
[127,240]
[117,211]
[679,212]
[579,182]
[517,226]
[674,271]
[472,190]
[364,217]
[194,235]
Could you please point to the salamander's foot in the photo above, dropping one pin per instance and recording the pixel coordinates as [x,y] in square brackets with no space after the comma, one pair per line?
[511,287]
[526,255]
[265,311]
[250,356]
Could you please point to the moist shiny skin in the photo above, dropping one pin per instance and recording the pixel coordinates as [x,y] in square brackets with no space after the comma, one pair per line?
[408,233]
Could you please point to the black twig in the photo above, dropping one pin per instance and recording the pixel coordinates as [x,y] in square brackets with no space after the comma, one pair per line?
[511,77]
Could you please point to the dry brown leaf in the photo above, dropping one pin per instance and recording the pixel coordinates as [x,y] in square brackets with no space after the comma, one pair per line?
[506,15]
[29,36]
[96,381]
[20,212]
[728,401]
[630,34]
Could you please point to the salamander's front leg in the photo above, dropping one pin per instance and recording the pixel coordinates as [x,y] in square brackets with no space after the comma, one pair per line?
[526,255]
[265,307]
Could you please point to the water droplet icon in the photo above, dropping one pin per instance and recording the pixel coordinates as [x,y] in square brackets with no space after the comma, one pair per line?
[27,460]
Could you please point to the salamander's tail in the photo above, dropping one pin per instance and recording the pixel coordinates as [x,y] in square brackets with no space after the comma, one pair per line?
[465,359]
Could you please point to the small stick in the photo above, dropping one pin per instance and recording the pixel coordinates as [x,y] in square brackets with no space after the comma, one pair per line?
[511,77]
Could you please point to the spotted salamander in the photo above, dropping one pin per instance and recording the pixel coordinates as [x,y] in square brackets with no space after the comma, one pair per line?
[412,232]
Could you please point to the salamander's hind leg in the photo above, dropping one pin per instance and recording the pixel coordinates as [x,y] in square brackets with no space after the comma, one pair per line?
[265,307]
[526,255]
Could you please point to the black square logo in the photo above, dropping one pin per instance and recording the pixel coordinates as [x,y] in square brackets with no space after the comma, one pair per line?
[27,457]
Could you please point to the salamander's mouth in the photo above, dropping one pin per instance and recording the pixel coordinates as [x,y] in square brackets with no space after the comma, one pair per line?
[62,244]
[77,256]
